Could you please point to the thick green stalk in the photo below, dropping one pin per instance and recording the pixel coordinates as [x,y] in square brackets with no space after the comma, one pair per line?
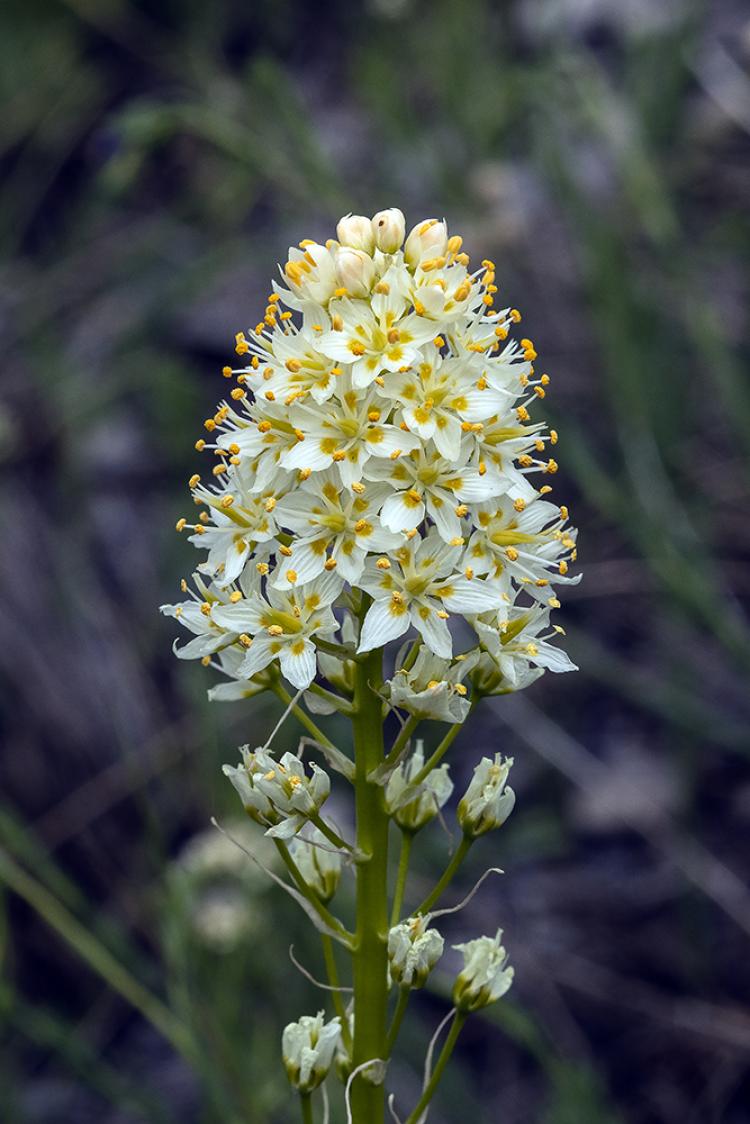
[305,1100]
[460,854]
[370,952]
[407,838]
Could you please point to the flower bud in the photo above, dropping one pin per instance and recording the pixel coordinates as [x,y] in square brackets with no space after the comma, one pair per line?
[487,802]
[428,239]
[307,1048]
[355,271]
[278,794]
[413,951]
[484,977]
[388,228]
[414,806]
[356,231]
[318,862]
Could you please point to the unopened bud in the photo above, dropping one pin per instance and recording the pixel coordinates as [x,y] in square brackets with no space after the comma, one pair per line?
[318,862]
[488,801]
[413,951]
[307,1048]
[356,232]
[428,239]
[413,806]
[355,271]
[389,228]
[485,976]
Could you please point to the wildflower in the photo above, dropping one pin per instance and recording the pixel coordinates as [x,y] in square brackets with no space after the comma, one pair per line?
[485,976]
[433,687]
[380,440]
[414,806]
[308,1047]
[413,951]
[488,801]
[279,795]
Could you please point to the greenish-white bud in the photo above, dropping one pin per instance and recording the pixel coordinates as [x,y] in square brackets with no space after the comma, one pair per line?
[307,1048]
[318,862]
[355,270]
[428,239]
[413,806]
[485,976]
[278,794]
[388,228]
[413,951]
[488,801]
[356,231]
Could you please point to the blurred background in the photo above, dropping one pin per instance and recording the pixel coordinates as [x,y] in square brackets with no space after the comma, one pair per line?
[158,159]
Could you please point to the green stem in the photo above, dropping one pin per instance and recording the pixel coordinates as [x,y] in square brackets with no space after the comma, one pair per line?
[370,950]
[99,958]
[305,1100]
[439,753]
[334,982]
[398,1018]
[404,734]
[334,649]
[407,838]
[331,835]
[437,1073]
[324,914]
[459,855]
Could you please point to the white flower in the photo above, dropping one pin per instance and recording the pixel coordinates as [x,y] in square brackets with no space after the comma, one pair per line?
[414,806]
[318,862]
[308,1047]
[513,641]
[333,527]
[488,801]
[278,794]
[433,687]
[413,951]
[379,439]
[485,976]
[420,588]
[282,626]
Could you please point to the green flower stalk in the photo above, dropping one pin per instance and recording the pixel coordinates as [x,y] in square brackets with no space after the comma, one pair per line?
[376,474]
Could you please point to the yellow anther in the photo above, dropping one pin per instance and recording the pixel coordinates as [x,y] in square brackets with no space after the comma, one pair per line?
[501,333]
[439,341]
[357,348]
[219,469]
[200,444]
[431,263]
[206,608]
[382,287]
[455,242]
[383,564]
[226,501]
[482,383]
[545,380]
[563,567]
[305,473]
[291,576]
[293,365]
[461,510]
[337,322]
[523,414]
[525,461]
[339,455]
[462,291]
[539,445]
[286,551]
[270,503]
[227,372]
[341,292]
[194,480]
[358,487]
[468,573]
[553,603]
[361,525]
[235,596]
[183,585]
[330,564]
[241,346]
[515,315]
[180,525]
[564,514]
[545,489]
[519,504]
[396,454]
[443,616]
[373,415]
[379,380]
[551,466]
[209,424]
[264,426]
[398,597]
[275,630]
[457,541]
[262,568]
[512,554]
[285,315]
[394,335]
[238,393]
[482,468]
[270,396]
[460,689]
[414,495]
[199,530]
[540,391]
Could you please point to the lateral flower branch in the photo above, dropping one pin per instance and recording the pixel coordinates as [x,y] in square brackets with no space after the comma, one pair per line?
[376,473]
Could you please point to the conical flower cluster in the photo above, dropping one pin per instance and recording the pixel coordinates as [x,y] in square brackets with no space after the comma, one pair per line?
[378,456]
